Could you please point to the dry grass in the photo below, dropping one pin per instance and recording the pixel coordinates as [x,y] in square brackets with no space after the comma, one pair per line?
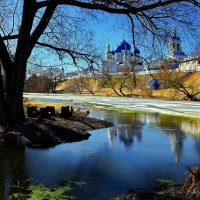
[40,104]
[192,80]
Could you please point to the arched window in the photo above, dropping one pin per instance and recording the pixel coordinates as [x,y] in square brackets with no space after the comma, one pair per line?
[178,47]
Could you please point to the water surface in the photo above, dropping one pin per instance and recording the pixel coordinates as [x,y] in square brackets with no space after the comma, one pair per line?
[136,152]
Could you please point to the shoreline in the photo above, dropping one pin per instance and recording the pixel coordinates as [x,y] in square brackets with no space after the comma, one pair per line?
[188,190]
[173,108]
[48,132]
[44,133]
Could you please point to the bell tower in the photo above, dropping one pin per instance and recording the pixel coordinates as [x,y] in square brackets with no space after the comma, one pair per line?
[108,52]
[174,46]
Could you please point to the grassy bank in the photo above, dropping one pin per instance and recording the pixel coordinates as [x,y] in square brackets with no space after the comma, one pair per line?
[110,87]
[40,104]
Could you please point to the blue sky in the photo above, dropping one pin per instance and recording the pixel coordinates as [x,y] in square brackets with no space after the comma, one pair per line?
[114,28]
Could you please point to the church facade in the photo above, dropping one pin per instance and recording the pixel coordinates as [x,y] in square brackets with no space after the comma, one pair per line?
[185,63]
[117,60]
[174,47]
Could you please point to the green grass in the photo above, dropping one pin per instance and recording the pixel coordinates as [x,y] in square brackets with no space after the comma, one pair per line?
[162,180]
[42,192]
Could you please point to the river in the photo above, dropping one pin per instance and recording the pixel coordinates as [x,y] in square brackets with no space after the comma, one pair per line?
[140,150]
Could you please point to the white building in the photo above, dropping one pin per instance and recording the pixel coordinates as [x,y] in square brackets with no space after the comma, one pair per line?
[181,61]
[121,57]
[184,63]
[174,47]
[190,63]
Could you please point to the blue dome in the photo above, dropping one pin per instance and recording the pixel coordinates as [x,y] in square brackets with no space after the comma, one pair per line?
[154,84]
[118,50]
[179,54]
[136,51]
[153,81]
[123,46]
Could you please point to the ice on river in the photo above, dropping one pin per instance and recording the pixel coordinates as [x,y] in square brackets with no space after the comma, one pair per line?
[183,108]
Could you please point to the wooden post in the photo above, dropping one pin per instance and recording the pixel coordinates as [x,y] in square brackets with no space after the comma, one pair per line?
[71,111]
[44,113]
[51,109]
[65,112]
[32,111]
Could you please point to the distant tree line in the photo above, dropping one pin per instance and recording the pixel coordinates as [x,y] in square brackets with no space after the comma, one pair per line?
[39,84]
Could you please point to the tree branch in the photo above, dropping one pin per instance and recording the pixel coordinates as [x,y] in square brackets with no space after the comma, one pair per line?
[4,56]
[132,29]
[42,24]
[10,37]
[68,51]
[127,7]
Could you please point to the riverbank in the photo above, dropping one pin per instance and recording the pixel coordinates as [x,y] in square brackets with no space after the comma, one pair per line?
[37,132]
[178,108]
[189,190]
[119,85]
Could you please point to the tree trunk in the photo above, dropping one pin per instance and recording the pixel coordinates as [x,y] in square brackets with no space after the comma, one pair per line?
[121,91]
[11,90]
[134,78]
[12,99]
[16,110]
[11,94]
[54,85]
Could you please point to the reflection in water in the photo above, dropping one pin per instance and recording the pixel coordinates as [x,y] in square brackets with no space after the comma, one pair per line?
[126,128]
[154,146]
[177,129]
[177,145]
[13,170]
[125,133]
[191,129]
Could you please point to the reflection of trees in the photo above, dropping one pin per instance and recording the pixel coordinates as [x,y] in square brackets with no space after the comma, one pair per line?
[12,170]
[193,130]
[151,118]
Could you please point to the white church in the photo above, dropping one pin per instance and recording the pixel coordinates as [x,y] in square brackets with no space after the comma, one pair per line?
[116,60]
[185,63]
[121,57]
[174,47]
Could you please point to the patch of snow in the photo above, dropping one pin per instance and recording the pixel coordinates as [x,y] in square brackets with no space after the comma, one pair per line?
[181,108]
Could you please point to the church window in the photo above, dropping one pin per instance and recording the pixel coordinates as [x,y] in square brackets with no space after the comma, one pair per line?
[178,47]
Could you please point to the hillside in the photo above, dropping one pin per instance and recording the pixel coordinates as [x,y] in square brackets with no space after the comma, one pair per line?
[124,85]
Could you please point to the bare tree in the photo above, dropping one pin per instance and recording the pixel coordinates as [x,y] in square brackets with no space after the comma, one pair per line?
[80,85]
[120,84]
[178,80]
[39,83]
[30,20]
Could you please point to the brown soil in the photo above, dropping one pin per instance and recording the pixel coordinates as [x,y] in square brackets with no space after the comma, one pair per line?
[190,190]
[49,132]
